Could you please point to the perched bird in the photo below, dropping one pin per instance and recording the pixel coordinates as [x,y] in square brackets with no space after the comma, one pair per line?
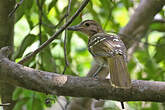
[107,50]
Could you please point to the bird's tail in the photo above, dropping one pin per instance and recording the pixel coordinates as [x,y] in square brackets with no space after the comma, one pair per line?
[120,77]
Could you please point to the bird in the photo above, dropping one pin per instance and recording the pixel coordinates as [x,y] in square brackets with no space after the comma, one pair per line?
[108,50]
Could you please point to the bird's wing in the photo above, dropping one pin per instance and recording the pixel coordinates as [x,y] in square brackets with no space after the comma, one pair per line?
[106,45]
[113,49]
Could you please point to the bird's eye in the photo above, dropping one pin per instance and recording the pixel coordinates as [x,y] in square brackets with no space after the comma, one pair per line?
[86,24]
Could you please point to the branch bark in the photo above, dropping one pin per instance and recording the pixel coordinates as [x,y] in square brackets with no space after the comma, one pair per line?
[57,84]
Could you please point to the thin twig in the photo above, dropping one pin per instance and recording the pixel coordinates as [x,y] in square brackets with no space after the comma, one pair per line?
[15,8]
[69,6]
[61,20]
[65,38]
[39,4]
[54,26]
[85,2]
[40,20]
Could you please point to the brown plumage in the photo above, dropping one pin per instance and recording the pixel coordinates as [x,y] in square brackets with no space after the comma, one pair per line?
[107,50]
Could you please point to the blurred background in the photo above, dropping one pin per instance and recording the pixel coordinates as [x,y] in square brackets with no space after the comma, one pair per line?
[146,62]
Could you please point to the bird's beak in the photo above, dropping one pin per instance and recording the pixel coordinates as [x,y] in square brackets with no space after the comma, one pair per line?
[74,28]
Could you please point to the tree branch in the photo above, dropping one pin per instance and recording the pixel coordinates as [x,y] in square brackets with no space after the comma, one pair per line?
[140,20]
[15,8]
[53,83]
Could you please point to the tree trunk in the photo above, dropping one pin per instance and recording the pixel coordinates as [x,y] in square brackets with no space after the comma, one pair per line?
[6,39]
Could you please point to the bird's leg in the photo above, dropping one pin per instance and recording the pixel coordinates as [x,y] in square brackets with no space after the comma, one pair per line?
[98,70]
[122,105]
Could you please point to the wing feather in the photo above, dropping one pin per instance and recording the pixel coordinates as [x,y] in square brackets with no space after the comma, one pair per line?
[104,45]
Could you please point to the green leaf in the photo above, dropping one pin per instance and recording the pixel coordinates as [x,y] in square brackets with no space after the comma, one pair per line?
[25,6]
[47,60]
[30,22]
[127,3]
[131,65]
[37,104]
[158,27]
[82,36]
[142,56]
[160,50]
[47,29]
[17,93]
[27,41]
[150,68]
[20,104]
[52,4]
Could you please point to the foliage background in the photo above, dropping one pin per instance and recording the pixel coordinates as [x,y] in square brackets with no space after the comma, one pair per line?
[147,62]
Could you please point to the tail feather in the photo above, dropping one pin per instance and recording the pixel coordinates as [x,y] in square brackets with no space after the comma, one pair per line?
[118,72]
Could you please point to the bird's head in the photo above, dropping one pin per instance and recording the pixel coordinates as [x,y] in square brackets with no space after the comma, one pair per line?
[88,27]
